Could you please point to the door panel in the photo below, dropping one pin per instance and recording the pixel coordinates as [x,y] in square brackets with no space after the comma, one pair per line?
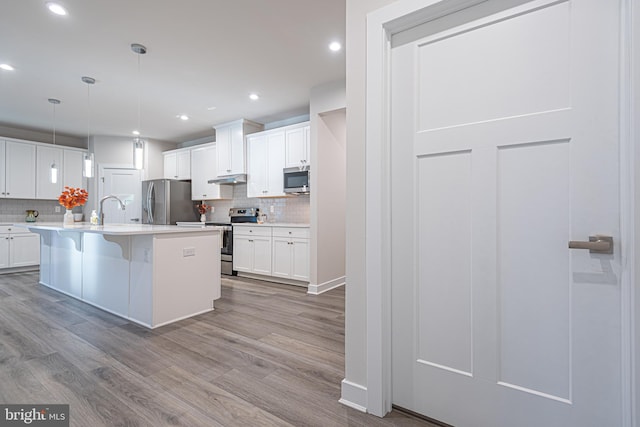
[504,148]
[127,186]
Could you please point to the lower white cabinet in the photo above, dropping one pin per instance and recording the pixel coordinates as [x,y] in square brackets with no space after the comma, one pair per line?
[279,252]
[291,253]
[252,249]
[18,247]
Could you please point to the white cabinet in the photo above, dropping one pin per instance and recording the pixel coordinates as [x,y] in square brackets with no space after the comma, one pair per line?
[279,252]
[203,169]
[265,161]
[18,170]
[72,165]
[18,247]
[45,157]
[291,253]
[252,249]
[230,146]
[177,164]
[69,163]
[298,145]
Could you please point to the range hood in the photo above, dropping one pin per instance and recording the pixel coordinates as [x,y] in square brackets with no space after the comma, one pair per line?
[239,178]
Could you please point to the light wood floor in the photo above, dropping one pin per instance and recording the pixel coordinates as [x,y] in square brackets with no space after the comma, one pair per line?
[268,355]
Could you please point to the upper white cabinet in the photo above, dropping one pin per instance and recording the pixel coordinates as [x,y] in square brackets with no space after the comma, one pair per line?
[230,146]
[177,164]
[298,145]
[25,169]
[18,170]
[203,169]
[69,164]
[45,156]
[265,161]
[72,164]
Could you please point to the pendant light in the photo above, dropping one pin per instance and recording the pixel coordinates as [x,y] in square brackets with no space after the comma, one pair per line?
[87,167]
[53,173]
[138,143]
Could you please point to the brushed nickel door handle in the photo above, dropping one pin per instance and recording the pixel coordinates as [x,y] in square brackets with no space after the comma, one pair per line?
[596,244]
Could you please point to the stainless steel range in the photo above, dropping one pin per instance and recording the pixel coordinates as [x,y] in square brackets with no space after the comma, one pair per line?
[236,215]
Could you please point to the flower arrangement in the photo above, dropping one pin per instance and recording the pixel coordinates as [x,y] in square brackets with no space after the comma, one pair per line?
[72,197]
[203,208]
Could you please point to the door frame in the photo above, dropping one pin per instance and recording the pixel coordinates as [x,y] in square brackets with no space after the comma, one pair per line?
[401,15]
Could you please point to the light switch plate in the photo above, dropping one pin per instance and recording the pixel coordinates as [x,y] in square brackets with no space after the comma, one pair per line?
[188,252]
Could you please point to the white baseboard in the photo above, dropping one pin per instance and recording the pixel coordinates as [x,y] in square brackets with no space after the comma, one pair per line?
[354,396]
[326,286]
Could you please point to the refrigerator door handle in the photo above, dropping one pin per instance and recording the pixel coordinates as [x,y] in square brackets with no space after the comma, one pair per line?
[149,202]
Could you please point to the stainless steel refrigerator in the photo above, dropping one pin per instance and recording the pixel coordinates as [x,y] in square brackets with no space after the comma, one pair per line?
[167,201]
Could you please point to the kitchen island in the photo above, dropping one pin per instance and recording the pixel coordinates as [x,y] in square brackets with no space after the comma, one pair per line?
[152,275]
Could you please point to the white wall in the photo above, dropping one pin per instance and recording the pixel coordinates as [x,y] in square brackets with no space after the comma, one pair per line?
[635,72]
[46,137]
[328,183]
[356,328]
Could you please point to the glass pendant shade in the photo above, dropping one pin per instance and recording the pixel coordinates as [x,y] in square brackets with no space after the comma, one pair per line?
[54,173]
[87,166]
[138,153]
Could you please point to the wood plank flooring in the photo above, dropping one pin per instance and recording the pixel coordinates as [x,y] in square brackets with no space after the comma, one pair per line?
[269,355]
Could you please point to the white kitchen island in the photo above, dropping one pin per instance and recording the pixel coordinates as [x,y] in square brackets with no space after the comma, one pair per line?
[150,274]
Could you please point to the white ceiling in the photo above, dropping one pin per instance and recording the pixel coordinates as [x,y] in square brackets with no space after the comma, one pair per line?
[200,54]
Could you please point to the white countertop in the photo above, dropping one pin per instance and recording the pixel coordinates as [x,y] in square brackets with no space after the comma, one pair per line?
[120,229]
[271,224]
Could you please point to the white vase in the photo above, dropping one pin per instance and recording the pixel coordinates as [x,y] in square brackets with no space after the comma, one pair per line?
[203,218]
[68,218]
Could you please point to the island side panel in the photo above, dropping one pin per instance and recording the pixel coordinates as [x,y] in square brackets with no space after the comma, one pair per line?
[141,280]
[105,278]
[65,273]
[186,275]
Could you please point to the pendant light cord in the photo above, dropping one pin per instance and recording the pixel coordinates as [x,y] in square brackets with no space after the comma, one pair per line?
[139,96]
[54,124]
[88,110]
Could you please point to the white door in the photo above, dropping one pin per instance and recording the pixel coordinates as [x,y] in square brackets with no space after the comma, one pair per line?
[127,186]
[504,148]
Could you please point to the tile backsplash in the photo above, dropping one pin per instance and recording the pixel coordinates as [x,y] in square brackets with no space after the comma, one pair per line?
[293,209]
[13,210]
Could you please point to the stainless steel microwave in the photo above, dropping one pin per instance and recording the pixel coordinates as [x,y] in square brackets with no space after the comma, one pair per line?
[296,181]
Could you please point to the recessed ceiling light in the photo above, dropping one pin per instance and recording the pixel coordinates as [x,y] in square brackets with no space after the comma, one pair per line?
[211,108]
[56,8]
[135,132]
[6,67]
[182,117]
[335,46]
[254,96]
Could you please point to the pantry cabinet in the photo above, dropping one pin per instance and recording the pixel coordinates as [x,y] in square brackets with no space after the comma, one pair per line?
[231,147]
[177,164]
[18,248]
[203,169]
[18,170]
[265,162]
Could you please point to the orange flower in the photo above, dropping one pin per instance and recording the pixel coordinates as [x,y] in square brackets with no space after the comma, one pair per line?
[72,197]
[203,208]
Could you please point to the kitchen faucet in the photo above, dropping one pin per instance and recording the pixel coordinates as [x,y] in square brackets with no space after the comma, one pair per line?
[110,196]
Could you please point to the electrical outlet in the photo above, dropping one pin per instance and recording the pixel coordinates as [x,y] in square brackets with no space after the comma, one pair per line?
[56,209]
[188,252]
[272,209]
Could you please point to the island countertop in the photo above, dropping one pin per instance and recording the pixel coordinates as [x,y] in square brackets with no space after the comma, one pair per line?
[114,229]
